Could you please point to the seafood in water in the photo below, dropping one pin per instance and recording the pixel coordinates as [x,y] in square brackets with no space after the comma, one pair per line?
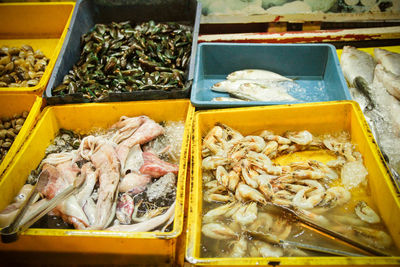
[109,192]
[243,185]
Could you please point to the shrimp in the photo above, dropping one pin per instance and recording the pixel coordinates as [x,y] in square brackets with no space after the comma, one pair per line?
[281,229]
[218,231]
[335,196]
[283,198]
[365,213]
[376,238]
[317,218]
[246,176]
[270,147]
[254,143]
[239,248]
[214,141]
[221,211]
[245,192]
[212,162]
[264,185]
[217,193]
[222,176]
[233,180]
[246,214]
[269,136]
[231,135]
[263,223]
[301,201]
[301,138]
[267,250]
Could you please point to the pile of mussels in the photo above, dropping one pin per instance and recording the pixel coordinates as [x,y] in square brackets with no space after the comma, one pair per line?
[121,58]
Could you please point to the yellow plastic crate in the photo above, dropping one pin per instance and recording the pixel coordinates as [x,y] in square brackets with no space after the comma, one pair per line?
[144,247]
[16,104]
[40,25]
[318,118]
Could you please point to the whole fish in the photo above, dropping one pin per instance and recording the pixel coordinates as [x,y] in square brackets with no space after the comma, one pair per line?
[258,92]
[355,63]
[389,60]
[256,74]
[390,81]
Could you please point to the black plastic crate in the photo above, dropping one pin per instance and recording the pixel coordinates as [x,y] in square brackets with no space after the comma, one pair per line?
[87,13]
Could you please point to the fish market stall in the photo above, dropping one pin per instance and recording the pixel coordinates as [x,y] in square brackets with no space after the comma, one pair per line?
[81,152]
[31,36]
[141,178]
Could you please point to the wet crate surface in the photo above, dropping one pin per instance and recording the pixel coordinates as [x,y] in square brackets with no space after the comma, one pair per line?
[12,104]
[90,12]
[149,247]
[318,118]
[314,67]
[43,26]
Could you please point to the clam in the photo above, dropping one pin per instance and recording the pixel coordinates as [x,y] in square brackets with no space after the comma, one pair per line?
[21,67]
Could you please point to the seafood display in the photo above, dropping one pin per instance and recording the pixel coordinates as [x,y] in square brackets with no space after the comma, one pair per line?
[21,66]
[124,178]
[250,182]
[120,57]
[255,85]
[374,82]
[9,129]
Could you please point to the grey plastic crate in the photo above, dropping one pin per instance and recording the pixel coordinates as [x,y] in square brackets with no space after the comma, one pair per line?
[87,13]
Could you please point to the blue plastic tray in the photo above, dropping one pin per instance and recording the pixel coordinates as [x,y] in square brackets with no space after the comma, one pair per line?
[89,12]
[315,68]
